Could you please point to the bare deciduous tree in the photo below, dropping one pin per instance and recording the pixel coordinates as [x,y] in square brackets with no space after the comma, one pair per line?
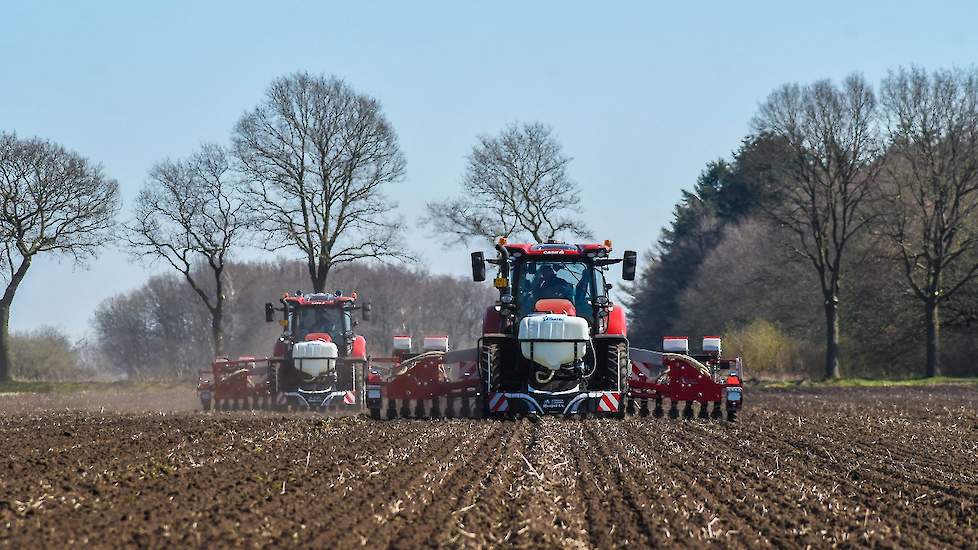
[516,185]
[826,185]
[51,201]
[932,184]
[318,155]
[190,215]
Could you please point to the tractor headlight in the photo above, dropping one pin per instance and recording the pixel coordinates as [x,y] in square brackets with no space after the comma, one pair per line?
[506,299]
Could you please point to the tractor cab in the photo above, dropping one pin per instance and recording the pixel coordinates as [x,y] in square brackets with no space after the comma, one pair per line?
[554,278]
[545,285]
[326,317]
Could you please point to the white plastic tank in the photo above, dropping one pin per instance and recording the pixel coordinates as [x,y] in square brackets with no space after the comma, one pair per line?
[675,344]
[711,344]
[314,358]
[435,343]
[550,326]
[402,343]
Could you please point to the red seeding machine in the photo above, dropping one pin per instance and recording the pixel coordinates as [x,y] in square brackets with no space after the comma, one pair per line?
[432,383]
[552,344]
[705,379]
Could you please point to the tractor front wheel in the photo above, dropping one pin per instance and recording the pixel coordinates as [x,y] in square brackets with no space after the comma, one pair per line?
[359,388]
[491,374]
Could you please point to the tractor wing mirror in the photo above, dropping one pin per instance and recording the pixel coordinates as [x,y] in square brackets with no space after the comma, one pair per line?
[269,312]
[628,264]
[367,308]
[478,267]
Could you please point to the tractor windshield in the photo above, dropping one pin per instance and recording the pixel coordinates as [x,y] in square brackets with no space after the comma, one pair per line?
[538,280]
[309,319]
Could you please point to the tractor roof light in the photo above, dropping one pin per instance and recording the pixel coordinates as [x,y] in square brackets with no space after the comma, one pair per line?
[501,241]
[607,244]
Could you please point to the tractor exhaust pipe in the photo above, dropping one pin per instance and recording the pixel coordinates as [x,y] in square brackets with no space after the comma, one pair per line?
[503,261]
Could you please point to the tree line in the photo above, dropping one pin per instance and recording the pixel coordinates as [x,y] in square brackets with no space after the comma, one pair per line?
[849,215]
[172,327]
[305,172]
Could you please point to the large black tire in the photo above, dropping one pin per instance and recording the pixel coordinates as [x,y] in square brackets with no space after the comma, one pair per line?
[491,375]
[619,370]
[359,386]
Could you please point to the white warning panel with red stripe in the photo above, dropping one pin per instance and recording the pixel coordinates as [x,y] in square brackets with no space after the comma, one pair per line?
[349,398]
[643,370]
[609,401]
[498,402]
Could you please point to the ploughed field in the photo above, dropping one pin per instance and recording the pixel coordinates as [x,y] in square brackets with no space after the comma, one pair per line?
[894,467]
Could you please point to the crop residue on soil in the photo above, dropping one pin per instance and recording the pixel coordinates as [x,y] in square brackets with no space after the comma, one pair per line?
[881,466]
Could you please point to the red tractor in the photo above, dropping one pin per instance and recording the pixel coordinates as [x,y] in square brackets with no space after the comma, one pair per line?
[554,343]
[318,362]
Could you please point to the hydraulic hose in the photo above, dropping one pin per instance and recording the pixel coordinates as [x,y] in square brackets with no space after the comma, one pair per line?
[690,361]
[407,364]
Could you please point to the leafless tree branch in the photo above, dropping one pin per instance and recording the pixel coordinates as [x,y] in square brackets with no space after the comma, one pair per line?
[516,185]
[51,201]
[931,185]
[827,185]
[191,215]
[317,156]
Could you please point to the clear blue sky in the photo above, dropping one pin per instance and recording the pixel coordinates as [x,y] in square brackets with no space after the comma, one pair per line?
[642,96]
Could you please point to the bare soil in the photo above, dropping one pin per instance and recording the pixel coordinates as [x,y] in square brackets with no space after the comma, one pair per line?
[889,467]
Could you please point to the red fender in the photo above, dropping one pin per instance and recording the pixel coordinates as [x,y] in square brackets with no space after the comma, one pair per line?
[492,322]
[359,348]
[617,323]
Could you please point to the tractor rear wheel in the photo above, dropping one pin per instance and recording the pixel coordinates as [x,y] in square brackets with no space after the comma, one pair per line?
[359,386]
[618,371]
